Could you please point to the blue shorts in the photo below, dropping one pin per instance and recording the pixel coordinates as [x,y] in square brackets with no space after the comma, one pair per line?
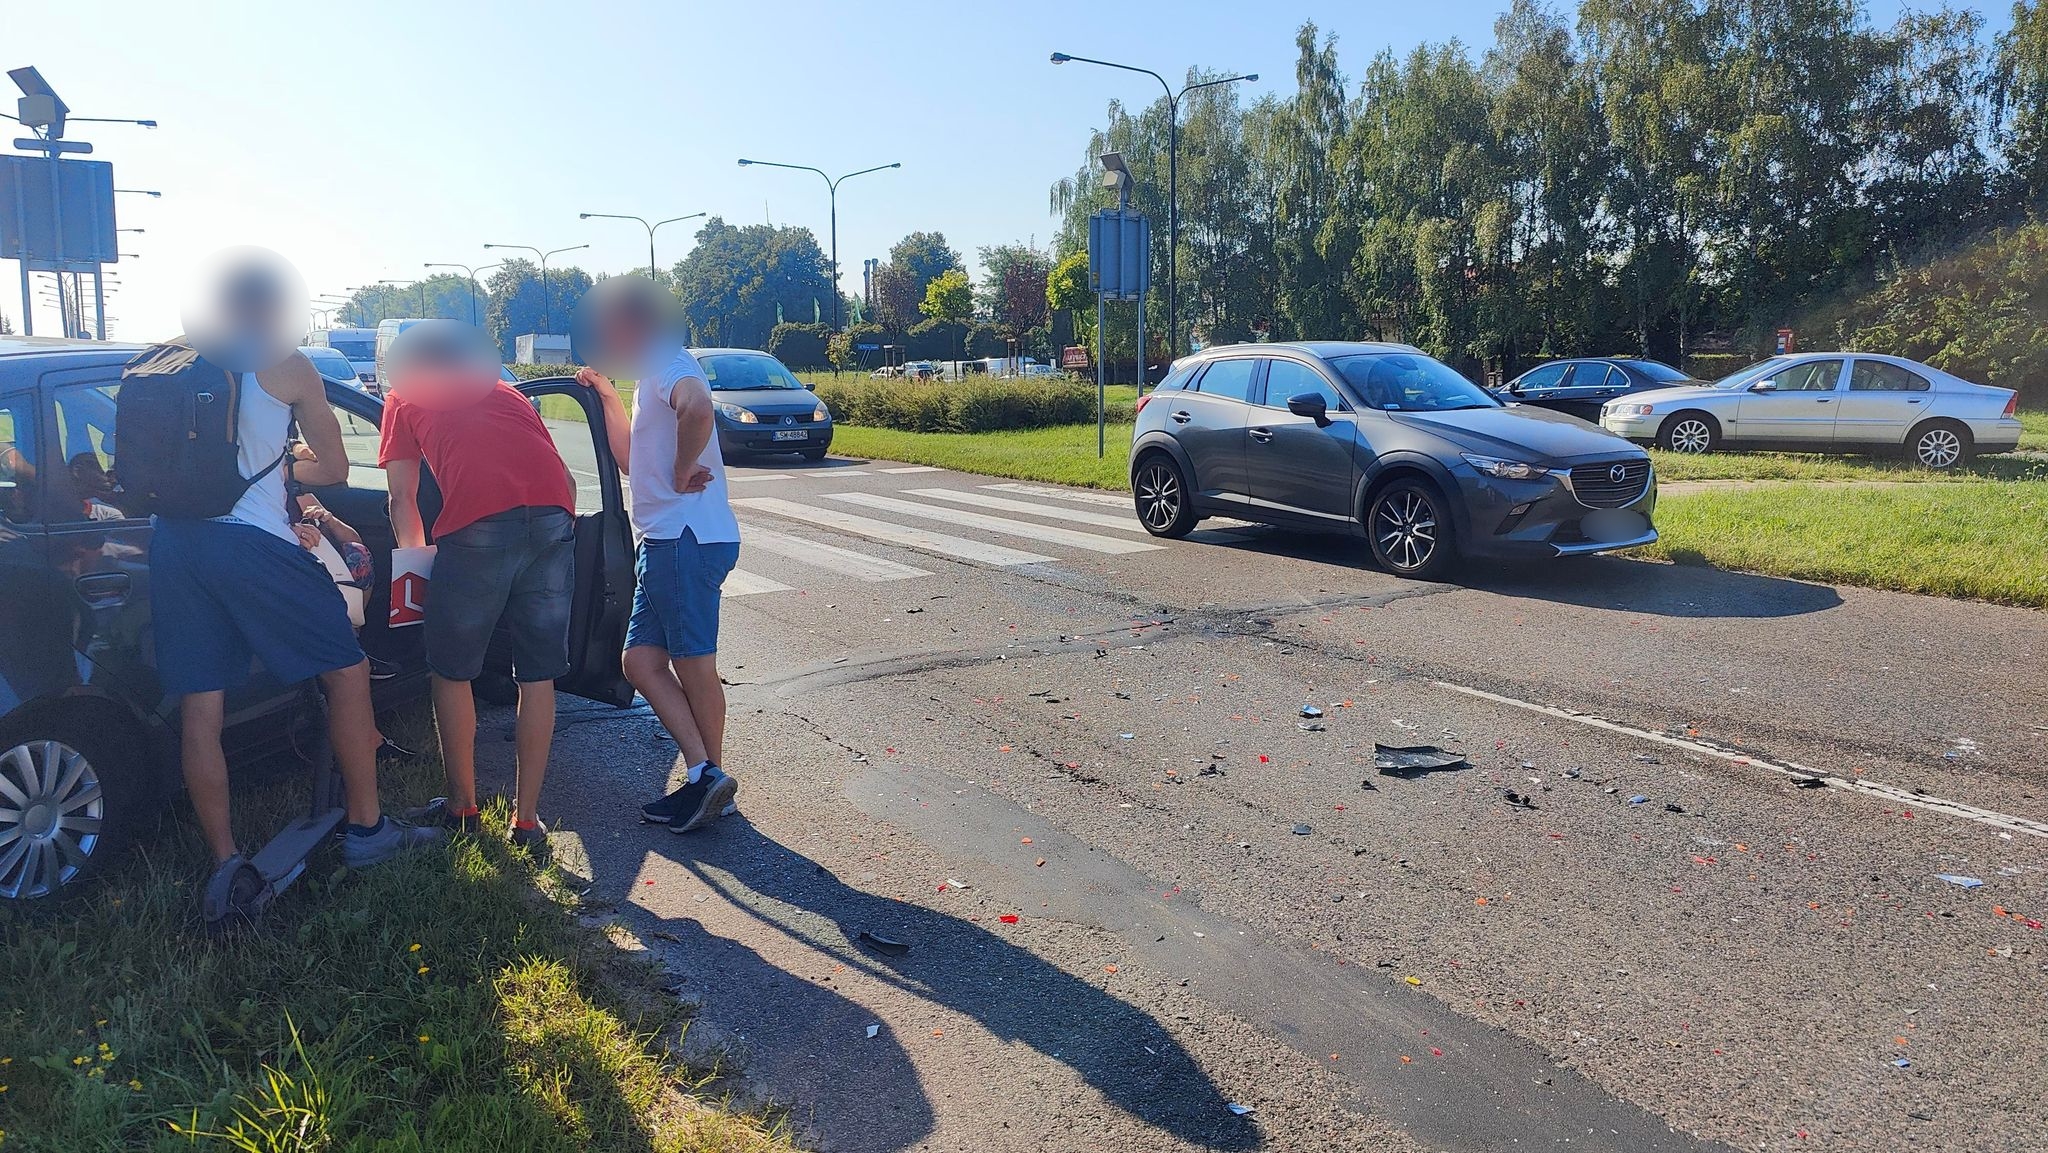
[221,593]
[675,599]
[518,566]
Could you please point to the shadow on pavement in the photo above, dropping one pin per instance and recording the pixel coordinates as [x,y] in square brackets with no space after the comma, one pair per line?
[1597,582]
[870,1100]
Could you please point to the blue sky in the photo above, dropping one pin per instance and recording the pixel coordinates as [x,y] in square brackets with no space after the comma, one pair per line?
[361,140]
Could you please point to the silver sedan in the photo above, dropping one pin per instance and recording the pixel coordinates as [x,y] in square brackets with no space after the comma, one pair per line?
[1827,402]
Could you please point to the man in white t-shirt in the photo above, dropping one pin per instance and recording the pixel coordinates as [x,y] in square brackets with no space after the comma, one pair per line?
[689,542]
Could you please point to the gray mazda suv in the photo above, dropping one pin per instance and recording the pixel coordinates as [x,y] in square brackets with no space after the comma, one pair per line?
[1382,441]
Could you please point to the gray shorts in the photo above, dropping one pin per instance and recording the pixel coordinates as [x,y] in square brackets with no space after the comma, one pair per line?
[518,565]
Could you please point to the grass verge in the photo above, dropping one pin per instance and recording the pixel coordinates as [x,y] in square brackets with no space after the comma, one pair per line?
[1064,454]
[445,1002]
[1986,540]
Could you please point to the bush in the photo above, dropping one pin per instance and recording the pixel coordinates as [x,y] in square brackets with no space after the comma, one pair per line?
[800,345]
[541,371]
[1715,365]
[972,405]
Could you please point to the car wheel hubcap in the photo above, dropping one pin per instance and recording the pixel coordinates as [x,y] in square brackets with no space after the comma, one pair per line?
[1158,497]
[1939,448]
[1691,436]
[50,814]
[1405,529]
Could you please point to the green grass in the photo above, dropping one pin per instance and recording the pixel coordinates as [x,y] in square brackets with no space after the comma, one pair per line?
[1819,467]
[446,1002]
[1064,454]
[2034,431]
[1986,540]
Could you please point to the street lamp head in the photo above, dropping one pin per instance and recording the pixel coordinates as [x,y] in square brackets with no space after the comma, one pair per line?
[147,123]
[1060,58]
[898,164]
[1253,78]
[744,163]
[583,216]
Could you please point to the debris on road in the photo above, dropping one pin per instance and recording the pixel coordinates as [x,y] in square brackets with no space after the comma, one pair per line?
[1309,726]
[1638,799]
[1670,808]
[1411,761]
[874,1031]
[887,946]
[1810,783]
[1957,879]
[1302,830]
[1240,1110]
[1311,712]
[1008,918]
[1517,800]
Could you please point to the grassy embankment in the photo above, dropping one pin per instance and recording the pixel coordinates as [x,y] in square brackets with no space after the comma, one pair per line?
[448,1002]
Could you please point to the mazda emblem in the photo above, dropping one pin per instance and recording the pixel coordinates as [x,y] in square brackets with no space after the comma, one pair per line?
[1618,474]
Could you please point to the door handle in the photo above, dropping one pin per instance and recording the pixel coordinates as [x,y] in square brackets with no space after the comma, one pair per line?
[104,589]
[1182,417]
[1824,400]
[1262,435]
[1913,402]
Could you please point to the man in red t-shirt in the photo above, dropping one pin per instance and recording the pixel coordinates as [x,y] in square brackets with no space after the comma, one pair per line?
[504,547]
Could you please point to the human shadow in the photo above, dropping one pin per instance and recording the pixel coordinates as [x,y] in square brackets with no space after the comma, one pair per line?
[873,1105]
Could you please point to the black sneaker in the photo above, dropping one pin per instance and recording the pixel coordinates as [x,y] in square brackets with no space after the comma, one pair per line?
[534,840]
[680,804]
[719,791]
[382,670]
[392,753]
[436,815]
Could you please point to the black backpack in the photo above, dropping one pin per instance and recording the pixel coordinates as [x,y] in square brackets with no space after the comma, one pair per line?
[178,454]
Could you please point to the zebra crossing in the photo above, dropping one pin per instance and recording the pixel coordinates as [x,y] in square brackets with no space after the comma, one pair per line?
[1011,525]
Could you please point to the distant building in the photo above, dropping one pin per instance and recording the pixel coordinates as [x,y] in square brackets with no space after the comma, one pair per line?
[542,348]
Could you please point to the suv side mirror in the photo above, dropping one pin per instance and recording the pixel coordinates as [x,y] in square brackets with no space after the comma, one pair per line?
[1311,405]
[1764,386]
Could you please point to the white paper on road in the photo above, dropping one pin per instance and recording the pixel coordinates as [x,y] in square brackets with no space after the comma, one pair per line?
[959,548]
[1045,534]
[831,558]
[1006,504]
[739,583]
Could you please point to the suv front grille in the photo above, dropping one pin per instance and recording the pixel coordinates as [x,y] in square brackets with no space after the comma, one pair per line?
[1599,486]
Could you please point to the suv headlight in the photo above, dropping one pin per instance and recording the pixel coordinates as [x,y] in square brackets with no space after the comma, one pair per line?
[821,413]
[1504,469]
[735,413]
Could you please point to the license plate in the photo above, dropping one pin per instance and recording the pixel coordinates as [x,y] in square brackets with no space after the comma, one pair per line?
[1610,525]
[792,434]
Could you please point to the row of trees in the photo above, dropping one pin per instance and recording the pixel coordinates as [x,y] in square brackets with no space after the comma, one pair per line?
[1653,175]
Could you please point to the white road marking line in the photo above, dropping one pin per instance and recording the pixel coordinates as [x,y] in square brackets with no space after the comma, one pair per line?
[1920,802]
[1005,504]
[959,548]
[910,468]
[830,474]
[832,558]
[1043,533]
[735,479]
[741,583]
[1108,498]
[1119,500]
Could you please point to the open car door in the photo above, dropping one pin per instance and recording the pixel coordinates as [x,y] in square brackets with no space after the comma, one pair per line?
[604,541]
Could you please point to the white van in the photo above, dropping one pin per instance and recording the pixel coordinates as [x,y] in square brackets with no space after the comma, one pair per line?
[358,344]
[387,331]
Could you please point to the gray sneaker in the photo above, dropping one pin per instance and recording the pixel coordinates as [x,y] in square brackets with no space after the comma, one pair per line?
[361,850]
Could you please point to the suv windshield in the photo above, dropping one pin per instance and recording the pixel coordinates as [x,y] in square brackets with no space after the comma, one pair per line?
[1404,382]
[735,373]
[354,349]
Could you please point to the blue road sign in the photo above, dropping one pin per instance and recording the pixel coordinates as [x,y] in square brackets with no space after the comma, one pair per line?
[1118,245]
[57,212]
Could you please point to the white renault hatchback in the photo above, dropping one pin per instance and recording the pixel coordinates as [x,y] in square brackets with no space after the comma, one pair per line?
[1849,402]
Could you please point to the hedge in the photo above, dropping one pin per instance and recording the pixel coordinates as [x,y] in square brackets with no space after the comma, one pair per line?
[963,406]
[541,371]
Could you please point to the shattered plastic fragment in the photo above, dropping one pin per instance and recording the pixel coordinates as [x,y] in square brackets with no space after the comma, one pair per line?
[888,946]
[1240,1110]
[1638,799]
[1311,712]
[1955,879]
[1008,918]
[1302,830]
[874,1031]
[1416,981]
[1412,761]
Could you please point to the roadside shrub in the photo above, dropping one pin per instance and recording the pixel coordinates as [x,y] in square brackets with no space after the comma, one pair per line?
[541,371]
[971,405]
[1715,365]
[800,345]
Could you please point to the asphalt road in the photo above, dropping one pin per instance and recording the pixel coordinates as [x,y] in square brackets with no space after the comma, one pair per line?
[1065,764]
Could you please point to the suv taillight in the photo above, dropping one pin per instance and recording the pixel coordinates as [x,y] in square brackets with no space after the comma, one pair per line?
[2012,405]
[1147,399]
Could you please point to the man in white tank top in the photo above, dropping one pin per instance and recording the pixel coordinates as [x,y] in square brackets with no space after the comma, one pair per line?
[226,589]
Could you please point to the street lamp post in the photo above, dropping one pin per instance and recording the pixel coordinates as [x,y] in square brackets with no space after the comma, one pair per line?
[472,273]
[547,302]
[832,187]
[643,223]
[419,284]
[1172,188]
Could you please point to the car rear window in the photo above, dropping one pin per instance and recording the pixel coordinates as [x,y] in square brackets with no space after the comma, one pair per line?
[1657,370]
[1229,379]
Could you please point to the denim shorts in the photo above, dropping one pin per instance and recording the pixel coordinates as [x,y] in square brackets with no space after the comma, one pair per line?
[518,565]
[221,593]
[675,599]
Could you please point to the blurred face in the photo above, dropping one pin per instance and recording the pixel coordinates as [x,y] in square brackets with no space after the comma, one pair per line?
[442,365]
[624,322]
[244,311]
